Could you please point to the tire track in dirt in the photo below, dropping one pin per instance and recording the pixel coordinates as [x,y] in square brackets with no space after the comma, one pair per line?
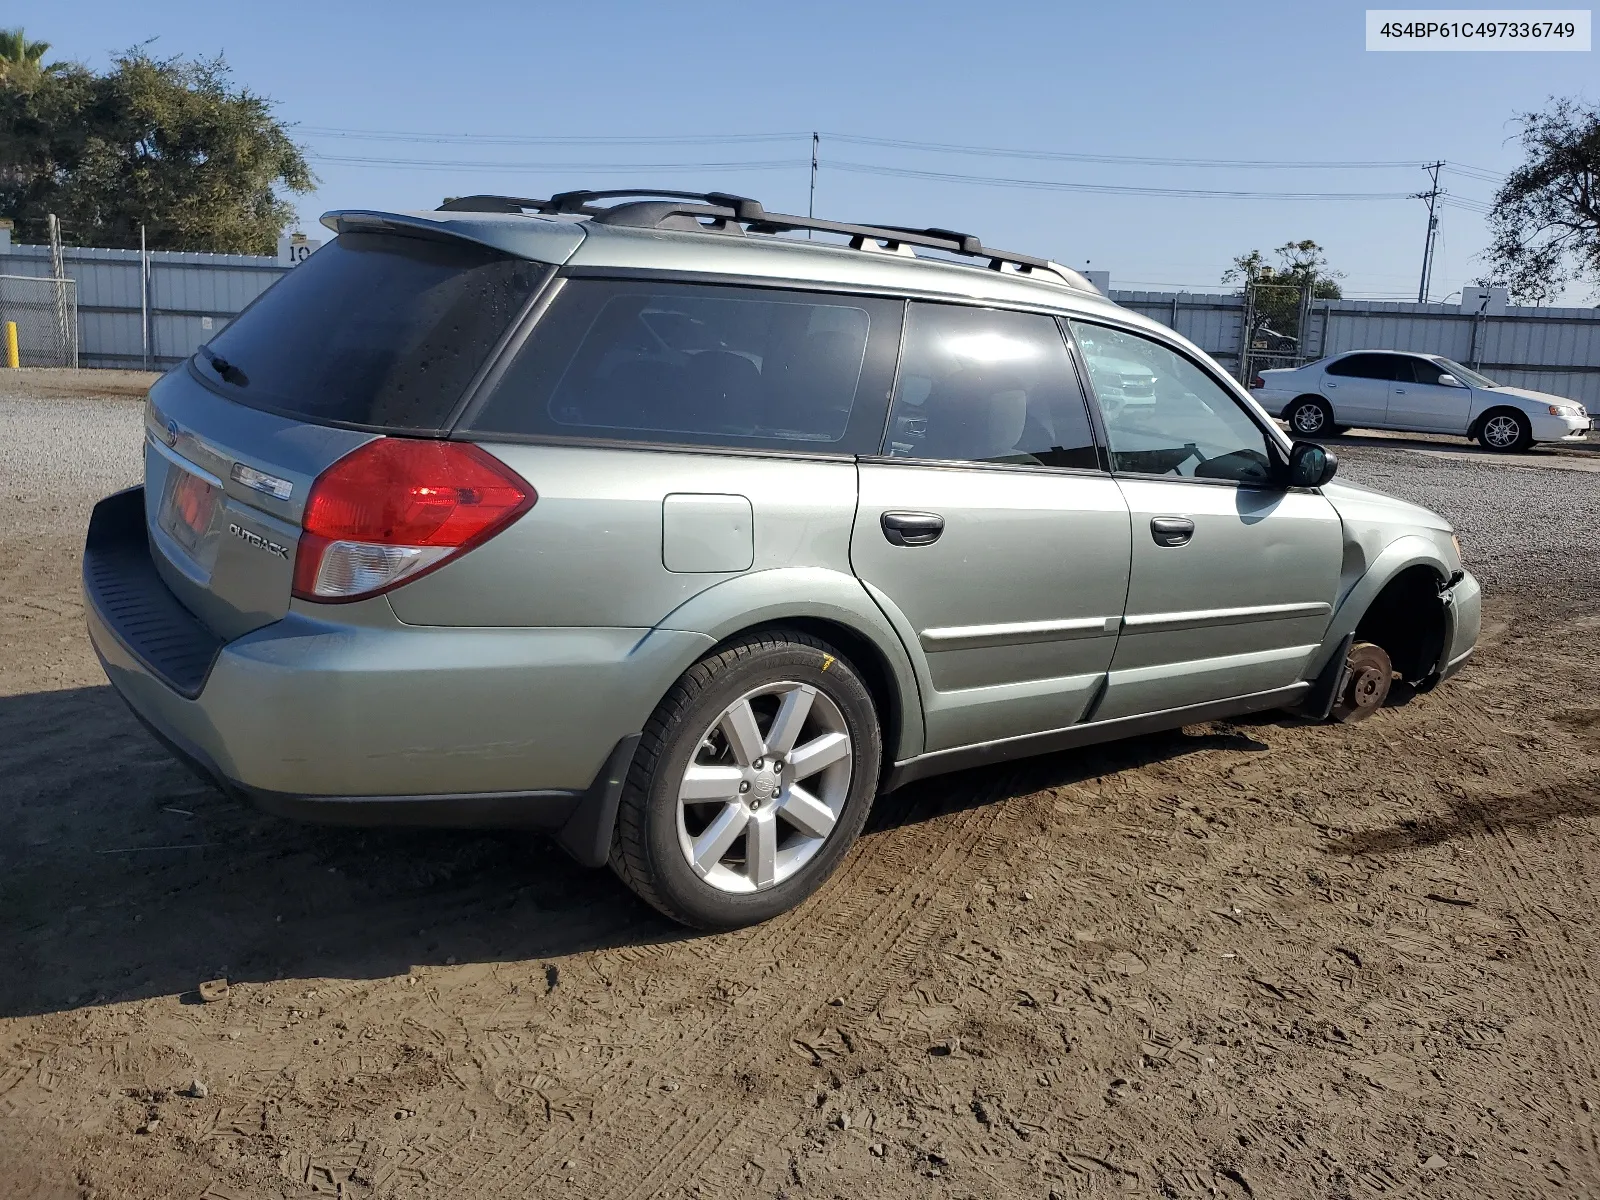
[1564,980]
[983,835]
[884,927]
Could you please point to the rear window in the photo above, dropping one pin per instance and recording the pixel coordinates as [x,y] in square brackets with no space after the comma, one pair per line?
[376,330]
[754,368]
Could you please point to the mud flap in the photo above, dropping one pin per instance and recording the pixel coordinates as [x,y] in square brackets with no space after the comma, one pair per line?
[1325,689]
[587,834]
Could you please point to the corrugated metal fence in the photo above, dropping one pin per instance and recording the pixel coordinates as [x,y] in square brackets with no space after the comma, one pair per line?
[190,296]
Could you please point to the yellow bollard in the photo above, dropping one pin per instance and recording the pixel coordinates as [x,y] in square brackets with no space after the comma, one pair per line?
[13,357]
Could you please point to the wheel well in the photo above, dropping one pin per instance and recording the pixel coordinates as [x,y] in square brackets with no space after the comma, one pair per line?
[1407,620]
[868,661]
[1322,400]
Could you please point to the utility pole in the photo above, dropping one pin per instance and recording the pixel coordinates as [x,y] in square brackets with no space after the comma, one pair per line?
[1432,197]
[811,205]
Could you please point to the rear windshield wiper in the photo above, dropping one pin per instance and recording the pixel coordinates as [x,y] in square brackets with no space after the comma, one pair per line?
[229,372]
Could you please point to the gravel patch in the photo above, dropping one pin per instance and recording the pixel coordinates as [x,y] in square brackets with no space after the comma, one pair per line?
[59,456]
[1524,528]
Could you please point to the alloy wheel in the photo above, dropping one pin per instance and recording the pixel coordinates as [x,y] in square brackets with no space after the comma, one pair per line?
[765,787]
[1308,418]
[1502,431]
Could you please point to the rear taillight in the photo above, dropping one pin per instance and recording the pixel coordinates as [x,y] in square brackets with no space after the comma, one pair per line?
[1257,382]
[397,508]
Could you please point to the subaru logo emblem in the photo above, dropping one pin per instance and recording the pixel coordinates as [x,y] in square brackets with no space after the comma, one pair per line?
[172,433]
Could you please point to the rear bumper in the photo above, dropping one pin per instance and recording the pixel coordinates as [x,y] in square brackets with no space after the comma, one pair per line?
[378,723]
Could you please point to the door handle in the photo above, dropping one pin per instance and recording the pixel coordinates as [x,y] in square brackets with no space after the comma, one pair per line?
[911,528]
[1400,391]
[1171,531]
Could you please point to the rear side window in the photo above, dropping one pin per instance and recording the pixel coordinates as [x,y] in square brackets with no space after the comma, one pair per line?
[690,364]
[990,386]
[373,329]
[1368,366]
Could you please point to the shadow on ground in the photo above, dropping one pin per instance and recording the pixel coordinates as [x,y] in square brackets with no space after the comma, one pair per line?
[123,877]
[1466,817]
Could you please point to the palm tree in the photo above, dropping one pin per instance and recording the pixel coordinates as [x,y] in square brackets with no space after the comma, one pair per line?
[17,51]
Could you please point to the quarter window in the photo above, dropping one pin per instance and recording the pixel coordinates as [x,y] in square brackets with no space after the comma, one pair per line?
[1165,416]
[699,365]
[988,386]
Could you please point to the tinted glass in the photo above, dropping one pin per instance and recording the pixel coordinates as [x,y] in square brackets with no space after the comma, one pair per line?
[720,366]
[1165,416]
[373,329]
[1424,371]
[983,385]
[1365,366]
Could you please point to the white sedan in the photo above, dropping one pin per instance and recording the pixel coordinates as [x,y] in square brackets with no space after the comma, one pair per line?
[1416,393]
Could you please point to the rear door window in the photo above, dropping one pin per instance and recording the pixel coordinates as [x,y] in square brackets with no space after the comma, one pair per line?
[376,330]
[988,386]
[691,364]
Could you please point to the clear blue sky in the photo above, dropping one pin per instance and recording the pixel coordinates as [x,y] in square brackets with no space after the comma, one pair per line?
[1287,81]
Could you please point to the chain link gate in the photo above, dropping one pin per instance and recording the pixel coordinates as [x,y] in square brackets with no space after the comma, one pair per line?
[45,312]
[1277,317]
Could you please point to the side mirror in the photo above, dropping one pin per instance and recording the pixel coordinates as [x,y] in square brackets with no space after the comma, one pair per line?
[1310,465]
[1449,380]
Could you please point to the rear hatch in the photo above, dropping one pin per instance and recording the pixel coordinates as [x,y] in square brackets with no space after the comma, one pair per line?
[379,332]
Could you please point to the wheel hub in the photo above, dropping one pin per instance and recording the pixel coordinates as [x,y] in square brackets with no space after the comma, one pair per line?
[765,787]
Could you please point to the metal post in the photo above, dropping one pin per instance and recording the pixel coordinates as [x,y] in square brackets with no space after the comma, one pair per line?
[1303,334]
[811,204]
[59,270]
[144,296]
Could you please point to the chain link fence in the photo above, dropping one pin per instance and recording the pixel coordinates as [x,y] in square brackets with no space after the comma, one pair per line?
[45,312]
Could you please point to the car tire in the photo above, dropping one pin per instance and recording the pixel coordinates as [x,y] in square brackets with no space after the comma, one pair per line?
[726,720]
[1310,417]
[1505,431]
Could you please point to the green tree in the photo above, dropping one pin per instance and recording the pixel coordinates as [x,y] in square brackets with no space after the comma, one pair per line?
[1279,288]
[1544,223]
[17,53]
[171,144]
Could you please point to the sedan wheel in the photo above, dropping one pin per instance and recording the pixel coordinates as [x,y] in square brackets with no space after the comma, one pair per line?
[1309,418]
[1503,431]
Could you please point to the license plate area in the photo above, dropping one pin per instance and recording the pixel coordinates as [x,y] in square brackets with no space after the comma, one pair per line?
[187,509]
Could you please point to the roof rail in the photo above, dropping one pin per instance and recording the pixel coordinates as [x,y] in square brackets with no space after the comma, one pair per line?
[720,212]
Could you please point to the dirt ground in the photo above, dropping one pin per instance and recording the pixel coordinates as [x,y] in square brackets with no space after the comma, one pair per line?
[1265,959]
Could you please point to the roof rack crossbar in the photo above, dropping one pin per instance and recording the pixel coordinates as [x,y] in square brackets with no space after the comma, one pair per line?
[581,203]
[720,212]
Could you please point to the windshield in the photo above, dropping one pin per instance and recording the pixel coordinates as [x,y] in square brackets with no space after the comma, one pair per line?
[1466,374]
[374,329]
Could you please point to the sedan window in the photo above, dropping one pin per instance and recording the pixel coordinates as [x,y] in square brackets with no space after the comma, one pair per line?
[1369,366]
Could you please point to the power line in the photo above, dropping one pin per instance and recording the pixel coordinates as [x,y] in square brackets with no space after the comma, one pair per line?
[1141,160]
[1103,188]
[434,164]
[496,139]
